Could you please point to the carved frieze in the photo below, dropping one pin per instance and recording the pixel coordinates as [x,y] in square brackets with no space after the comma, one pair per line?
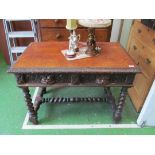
[75,79]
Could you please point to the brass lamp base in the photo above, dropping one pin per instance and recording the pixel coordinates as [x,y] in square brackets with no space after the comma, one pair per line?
[92,50]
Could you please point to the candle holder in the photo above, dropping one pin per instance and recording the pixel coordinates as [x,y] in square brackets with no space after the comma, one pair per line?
[73,44]
[92,24]
[91,43]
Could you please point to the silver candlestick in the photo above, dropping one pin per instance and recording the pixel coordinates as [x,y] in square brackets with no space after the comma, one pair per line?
[73,44]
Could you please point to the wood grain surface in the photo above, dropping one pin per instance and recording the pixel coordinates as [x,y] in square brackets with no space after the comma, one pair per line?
[47,55]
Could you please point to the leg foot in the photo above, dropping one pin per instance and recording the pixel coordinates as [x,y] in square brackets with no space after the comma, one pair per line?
[117,117]
[33,120]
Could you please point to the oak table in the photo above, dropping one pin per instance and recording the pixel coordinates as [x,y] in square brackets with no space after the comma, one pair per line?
[43,65]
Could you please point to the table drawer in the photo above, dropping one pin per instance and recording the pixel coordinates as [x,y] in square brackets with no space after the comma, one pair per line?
[48,34]
[136,99]
[147,62]
[77,79]
[52,22]
[141,85]
[134,50]
[145,34]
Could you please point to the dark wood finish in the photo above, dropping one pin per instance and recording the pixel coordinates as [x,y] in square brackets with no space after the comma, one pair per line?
[48,57]
[73,99]
[28,100]
[121,102]
[110,98]
[43,65]
[38,101]
[91,43]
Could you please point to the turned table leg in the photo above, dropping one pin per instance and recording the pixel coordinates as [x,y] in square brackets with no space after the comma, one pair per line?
[118,113]
[110,98]
[44,90]
[38,100]
[28,100]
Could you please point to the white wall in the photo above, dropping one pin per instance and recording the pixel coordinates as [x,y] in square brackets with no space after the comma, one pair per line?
[147,114]
[125,32]
[116,29]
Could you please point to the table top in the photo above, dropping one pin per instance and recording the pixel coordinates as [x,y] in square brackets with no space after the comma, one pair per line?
[47,57]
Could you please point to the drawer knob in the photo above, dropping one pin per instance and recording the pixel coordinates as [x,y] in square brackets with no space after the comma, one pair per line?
[102,80]
[147,61]
[134,47]
[56,20]
[139,30]
[153,40]
[58,36]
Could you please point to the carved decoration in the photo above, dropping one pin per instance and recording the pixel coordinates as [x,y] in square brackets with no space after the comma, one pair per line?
[75,79]
[49,79]
[103,80]
[28,100]
[119,109]
[72,99]
[20,78]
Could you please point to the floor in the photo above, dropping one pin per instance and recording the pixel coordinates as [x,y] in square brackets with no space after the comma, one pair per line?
[13,112]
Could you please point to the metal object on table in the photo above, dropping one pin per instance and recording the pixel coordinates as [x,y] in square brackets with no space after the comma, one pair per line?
[93,49]
[73,38]
[91,43]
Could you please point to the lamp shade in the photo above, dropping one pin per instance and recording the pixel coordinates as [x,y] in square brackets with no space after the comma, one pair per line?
[95,23]
[71,24]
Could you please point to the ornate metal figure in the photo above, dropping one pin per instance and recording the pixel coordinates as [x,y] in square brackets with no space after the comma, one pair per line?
[73,44]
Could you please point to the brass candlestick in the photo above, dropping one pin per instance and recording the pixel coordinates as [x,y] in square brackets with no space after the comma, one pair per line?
[91,43]
[92,24]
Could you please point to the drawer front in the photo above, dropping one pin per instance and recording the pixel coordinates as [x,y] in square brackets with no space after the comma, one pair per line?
[52,22]
[134,50]
[80,79]
[48,34]
[145,34]
[136,99]
[142,85]
[147,62]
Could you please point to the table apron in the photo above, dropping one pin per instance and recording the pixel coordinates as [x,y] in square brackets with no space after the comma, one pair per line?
[74,79]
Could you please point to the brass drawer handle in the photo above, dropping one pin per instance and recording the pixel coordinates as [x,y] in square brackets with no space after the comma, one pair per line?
[134,47]
[147,61]
[153,40]
[56,20]
[58,36]
[139,30]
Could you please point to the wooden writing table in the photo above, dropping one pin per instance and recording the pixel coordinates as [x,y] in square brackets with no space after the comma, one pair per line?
[43,65]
